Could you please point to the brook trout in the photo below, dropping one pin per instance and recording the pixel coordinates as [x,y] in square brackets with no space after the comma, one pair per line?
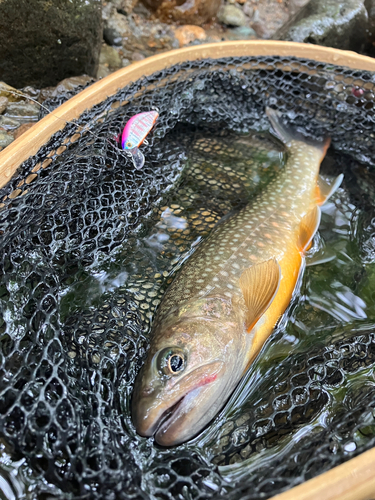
[226,300]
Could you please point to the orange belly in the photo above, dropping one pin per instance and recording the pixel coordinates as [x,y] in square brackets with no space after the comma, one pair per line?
[290,265]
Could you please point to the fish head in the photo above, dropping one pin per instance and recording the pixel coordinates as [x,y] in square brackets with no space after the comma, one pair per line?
[192,367]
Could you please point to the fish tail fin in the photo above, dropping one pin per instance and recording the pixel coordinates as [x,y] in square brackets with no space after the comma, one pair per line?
[288,134]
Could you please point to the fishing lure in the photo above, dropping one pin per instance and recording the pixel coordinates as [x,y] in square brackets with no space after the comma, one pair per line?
[135,133]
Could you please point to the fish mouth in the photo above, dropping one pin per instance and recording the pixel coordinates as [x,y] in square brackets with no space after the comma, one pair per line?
[169,428]
[166,417]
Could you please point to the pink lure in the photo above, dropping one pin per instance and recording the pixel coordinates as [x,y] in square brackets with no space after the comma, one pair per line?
[135,133]
[137,129]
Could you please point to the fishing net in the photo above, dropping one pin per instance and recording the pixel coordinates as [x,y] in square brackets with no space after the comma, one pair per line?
[89,244]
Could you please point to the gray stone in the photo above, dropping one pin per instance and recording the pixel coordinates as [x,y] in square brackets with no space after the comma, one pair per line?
[295,5]
[112,36]
[69,84]
[3,104]
[103,71]
[333,23]
[110,57]
[9,123]
[23,110]
[231,16]
[44,41]
[195,12]
[241,33]
[370,45]
[5,139]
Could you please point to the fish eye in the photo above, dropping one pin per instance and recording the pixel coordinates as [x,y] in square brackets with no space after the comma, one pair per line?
[171,361]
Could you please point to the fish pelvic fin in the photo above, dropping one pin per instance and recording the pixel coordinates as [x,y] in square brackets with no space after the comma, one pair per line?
[308,227]
[287,134]
[325,188]
[259,285]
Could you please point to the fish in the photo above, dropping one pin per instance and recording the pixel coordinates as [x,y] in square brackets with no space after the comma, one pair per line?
[227,298]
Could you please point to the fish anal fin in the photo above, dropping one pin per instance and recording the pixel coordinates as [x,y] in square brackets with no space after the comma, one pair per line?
[308,227]
[259,284]
[326,188]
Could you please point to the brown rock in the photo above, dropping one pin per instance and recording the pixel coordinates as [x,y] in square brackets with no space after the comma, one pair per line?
[71,83]
[295,5]
[5,91]
[137,56]
[3,104]
[22,129]
[5,138]
[188,33]
[185,12]
[103,71]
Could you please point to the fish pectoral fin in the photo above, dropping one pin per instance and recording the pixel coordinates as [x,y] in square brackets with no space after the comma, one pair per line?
[325,188]
[259,285]
[308,227]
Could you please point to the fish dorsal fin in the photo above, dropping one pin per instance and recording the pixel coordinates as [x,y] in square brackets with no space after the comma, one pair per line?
[326,188]
[308,227]
[259,285]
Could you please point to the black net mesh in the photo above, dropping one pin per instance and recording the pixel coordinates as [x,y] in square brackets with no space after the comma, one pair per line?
[89,245]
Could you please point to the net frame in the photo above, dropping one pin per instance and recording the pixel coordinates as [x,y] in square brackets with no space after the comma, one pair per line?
[354,478]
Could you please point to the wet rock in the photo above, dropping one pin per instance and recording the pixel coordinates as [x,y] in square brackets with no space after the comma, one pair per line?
[138,34]
[109,57]
[7,123]
[333,23]
[42,41]
[103,71]
[231,16]
[5,139]
[114,22]
[189,33]
[9,92]
[137,56]
[24,110]
[125,6]
[241,33]
[370,44]
[268,17]
[185,12]
[22,129]
[3,104]
[248,10]
[125,62]
[69,84]
[112,37]
[295,5]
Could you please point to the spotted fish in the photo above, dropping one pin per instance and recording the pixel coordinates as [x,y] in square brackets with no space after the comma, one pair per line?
[226,300]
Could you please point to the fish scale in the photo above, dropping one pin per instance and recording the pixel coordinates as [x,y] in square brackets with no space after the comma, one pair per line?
[227,298]
[245,239]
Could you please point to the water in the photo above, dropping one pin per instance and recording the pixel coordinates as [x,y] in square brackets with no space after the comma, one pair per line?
[334,301]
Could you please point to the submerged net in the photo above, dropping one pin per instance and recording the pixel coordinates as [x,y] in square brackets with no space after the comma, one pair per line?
[89,245]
